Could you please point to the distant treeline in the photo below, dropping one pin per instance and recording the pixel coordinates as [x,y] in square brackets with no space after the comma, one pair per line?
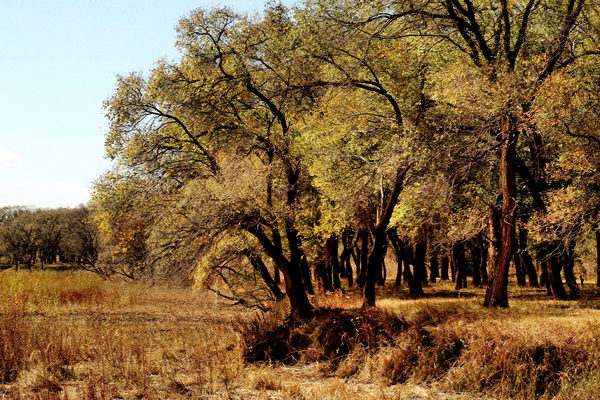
[30,236]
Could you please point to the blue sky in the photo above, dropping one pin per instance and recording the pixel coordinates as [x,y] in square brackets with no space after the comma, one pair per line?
[58,61]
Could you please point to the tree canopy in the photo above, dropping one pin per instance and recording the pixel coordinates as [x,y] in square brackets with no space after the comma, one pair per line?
[278,137]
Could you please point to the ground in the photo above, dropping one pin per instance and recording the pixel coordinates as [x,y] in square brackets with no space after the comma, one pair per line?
[72,335]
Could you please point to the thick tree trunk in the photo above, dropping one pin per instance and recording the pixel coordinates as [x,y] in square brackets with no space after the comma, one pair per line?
[373,267]
[497,293]
[299,304]
[379,242]
[553,267]
[279,247]
[553,262]
[424,277]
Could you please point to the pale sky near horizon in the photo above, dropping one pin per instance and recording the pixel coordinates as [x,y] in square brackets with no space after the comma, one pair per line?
[58,62]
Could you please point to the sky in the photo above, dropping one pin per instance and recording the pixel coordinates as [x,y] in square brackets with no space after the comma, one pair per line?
[58,63]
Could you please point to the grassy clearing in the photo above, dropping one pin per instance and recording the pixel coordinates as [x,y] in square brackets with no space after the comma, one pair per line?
[71,335]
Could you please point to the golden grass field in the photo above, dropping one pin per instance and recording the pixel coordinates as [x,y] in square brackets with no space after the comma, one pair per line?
[70,335]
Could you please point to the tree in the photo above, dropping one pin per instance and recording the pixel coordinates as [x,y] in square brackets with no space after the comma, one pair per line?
[17,242]
[231,99]
[21,235]
[49,223]
[81,239]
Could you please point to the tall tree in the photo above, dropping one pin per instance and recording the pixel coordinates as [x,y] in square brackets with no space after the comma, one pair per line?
[499,60]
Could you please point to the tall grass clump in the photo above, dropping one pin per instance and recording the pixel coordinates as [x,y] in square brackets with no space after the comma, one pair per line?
[14,330]
[41,291]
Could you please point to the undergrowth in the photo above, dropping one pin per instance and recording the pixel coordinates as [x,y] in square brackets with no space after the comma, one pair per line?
[462,350]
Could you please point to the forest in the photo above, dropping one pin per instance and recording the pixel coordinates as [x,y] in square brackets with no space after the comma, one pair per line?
[461,136]
[387,191]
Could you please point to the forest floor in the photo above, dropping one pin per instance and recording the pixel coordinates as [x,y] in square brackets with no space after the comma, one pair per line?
[70,335]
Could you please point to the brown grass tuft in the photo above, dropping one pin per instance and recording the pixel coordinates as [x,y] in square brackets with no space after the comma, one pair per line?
[14,329]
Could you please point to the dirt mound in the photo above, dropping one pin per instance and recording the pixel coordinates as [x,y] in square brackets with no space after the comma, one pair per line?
[329,335]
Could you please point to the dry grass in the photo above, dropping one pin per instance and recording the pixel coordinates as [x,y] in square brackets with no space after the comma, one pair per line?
[111,340]
[73,336]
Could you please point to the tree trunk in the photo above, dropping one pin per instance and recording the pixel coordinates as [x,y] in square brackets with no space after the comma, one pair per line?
[364,258]
[332,252]
[424,278]
[276,275]
[383,271]
[305,270]
[445,264]
[279,247]
[393,236]
[260,266]
[373,267]
[484,263]
[519,269]
[459,261]
[345,262]
[416,284]
[553,267]
[526,260]
[495,234]
[544,278]
[452,266]
[569,266]
[598,255]
[433,266]
[379,241]
[474,246]
[322,274]
[497,293]
[356,253]
[294,285]
[553,262]
[299,304]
